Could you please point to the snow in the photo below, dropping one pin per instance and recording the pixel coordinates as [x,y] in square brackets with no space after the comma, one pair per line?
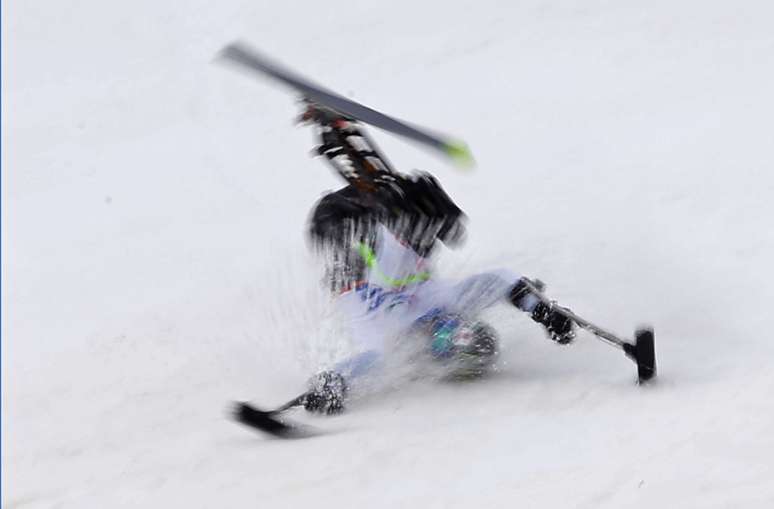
[155,268]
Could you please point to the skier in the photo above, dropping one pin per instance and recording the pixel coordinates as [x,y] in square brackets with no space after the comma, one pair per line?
[377,235]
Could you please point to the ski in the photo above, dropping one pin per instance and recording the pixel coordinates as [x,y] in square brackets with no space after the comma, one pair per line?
[248,58]
[270,422]
[643,353]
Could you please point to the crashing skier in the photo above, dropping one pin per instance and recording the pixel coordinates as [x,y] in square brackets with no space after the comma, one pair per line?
[377,235]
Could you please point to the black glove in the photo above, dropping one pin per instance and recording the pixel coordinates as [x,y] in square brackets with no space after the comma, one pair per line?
[327,392]
[559,326]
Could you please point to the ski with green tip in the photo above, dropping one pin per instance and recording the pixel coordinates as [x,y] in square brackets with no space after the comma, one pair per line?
[248,58]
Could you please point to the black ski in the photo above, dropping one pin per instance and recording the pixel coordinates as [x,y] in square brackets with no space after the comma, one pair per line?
[643,352]
[248,58]
[271,421]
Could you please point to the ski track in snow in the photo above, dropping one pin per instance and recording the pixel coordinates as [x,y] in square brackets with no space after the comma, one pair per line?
[154,265]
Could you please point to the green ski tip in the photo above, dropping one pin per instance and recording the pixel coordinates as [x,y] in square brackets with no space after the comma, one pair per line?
[460,153]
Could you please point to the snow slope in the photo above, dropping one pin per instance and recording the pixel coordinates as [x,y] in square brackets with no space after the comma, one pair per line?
[154,264]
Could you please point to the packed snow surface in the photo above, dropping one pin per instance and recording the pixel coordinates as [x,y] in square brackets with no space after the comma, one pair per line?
[155,266]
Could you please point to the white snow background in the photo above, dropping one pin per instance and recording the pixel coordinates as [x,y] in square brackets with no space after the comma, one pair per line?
[155,266]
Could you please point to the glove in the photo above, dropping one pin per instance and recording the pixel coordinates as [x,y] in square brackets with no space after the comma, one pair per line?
[560,327]
[327,392]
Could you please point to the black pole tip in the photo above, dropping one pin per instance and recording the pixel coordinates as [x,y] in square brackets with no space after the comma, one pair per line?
[645,354]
